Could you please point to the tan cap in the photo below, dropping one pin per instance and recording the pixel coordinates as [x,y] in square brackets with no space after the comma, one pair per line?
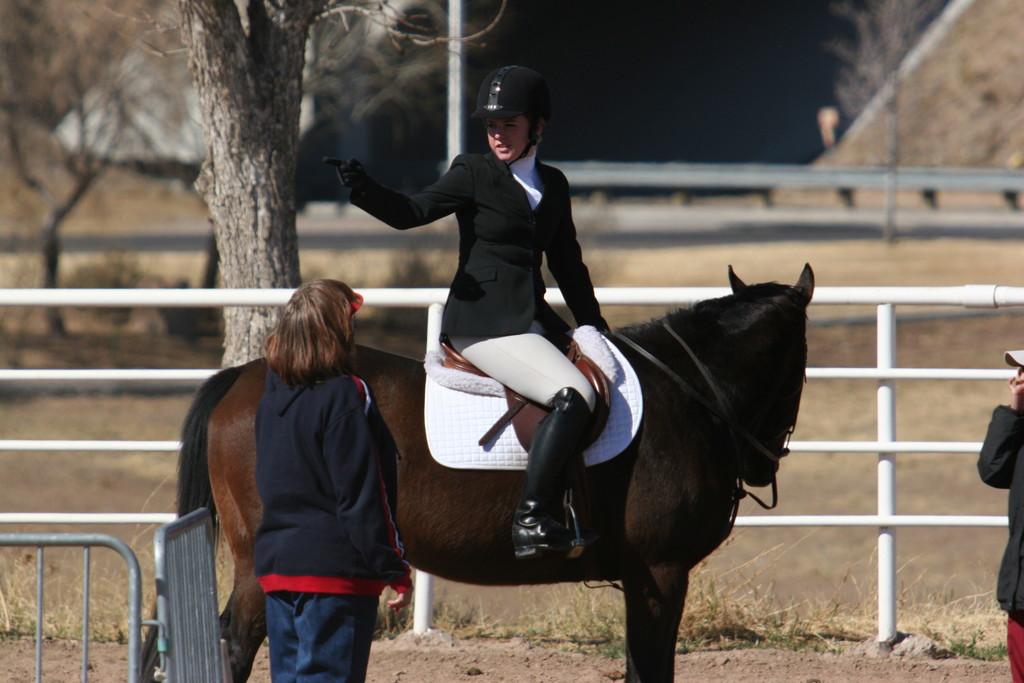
[1015,358]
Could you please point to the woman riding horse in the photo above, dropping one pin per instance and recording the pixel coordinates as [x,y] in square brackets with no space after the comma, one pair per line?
[512,210]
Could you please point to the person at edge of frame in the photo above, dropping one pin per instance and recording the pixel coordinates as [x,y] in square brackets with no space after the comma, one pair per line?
[1001,465]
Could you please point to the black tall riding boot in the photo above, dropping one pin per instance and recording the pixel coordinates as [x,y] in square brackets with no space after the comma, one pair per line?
[536,527]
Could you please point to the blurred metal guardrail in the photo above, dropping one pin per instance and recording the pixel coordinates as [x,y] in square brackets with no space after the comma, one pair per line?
[684,178]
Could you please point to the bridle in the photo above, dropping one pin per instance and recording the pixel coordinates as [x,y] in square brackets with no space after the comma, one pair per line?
[720,409]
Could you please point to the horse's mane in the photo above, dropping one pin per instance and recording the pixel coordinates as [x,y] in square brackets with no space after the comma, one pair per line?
[706,327]
[709,312]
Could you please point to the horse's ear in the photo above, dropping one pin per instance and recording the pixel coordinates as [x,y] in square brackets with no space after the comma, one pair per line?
[805,285]
[735,282]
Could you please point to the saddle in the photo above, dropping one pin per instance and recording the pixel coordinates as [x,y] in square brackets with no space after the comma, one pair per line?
[525,414]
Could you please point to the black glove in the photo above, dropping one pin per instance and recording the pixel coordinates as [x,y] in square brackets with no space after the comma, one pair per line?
[351,173]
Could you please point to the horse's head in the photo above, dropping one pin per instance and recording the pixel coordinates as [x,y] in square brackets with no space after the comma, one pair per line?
[740,359]
[784,358]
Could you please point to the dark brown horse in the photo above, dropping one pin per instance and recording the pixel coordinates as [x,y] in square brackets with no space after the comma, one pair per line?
[722,383]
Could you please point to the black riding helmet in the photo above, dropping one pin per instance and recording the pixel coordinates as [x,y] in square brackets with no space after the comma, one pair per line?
[511,91]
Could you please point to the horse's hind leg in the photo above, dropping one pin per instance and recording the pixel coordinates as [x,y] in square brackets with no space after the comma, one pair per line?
[243,622]
[243,625]
[654,607]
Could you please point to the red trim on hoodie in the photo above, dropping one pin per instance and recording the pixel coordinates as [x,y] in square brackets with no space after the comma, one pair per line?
[330,584]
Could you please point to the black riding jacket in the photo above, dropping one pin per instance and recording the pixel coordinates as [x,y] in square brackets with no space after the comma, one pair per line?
[498,288]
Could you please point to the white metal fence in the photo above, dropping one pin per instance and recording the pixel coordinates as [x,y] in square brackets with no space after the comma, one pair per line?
[885,373]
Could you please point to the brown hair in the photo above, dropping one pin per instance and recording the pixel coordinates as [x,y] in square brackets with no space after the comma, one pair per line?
[313,340]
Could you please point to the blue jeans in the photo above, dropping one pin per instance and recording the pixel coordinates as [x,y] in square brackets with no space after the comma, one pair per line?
[319,637]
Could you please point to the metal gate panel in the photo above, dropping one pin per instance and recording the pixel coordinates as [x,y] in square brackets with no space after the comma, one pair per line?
[186,587]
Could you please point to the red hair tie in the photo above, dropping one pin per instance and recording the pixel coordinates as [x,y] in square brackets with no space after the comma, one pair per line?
[356,303]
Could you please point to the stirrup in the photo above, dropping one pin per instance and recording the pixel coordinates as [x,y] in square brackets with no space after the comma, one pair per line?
[570,548]
[582,538]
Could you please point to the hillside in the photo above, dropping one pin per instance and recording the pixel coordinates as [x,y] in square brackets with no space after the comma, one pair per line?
[964,104]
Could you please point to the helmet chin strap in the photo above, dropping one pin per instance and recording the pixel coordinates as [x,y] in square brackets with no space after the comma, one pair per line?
[530,144]
[526,153]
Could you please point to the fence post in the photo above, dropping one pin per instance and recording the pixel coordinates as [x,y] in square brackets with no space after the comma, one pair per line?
[886,430]
[423,597]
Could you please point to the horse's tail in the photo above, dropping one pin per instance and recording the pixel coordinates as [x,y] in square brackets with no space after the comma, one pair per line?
[194,490]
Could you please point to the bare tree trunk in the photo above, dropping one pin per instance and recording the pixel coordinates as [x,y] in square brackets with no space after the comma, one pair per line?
[50,237]
[892,162]
[248,76]
[50,249]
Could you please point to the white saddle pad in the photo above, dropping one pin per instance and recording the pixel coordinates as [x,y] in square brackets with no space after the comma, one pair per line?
[459,408]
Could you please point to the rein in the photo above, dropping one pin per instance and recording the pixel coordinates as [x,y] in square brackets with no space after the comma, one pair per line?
[720,411]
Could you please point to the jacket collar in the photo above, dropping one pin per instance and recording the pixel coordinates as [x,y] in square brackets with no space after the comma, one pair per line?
[542,169]
[501,165]
[504,172]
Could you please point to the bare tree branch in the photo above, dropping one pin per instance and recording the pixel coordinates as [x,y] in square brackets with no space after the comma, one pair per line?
[66,101]
[884,32]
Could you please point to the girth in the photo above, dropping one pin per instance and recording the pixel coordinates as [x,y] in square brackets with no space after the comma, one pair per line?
[525,414]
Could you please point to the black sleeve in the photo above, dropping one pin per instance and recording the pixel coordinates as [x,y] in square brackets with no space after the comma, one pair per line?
[565,261]
[1002,445]
[452,191]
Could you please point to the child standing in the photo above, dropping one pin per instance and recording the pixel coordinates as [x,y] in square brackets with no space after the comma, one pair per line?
[326,474]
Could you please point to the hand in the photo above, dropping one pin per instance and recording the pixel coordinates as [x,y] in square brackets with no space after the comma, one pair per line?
[401,600]
[1016,385]
[350,172]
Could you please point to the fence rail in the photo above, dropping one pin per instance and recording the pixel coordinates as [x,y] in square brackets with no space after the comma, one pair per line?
[765,178]
[885,299]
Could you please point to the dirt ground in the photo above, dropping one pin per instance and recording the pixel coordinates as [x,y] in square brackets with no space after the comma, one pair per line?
[437,658]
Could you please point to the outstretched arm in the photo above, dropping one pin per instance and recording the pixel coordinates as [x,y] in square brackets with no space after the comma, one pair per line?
[452,191]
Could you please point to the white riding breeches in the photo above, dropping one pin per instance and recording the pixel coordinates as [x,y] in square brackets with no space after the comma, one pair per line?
[526,363]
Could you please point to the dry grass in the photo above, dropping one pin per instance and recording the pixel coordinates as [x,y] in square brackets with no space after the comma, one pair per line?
[727,610]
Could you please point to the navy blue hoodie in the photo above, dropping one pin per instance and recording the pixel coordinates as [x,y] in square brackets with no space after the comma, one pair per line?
[326,472]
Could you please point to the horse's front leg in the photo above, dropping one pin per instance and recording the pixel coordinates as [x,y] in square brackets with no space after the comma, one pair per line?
[654,607]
